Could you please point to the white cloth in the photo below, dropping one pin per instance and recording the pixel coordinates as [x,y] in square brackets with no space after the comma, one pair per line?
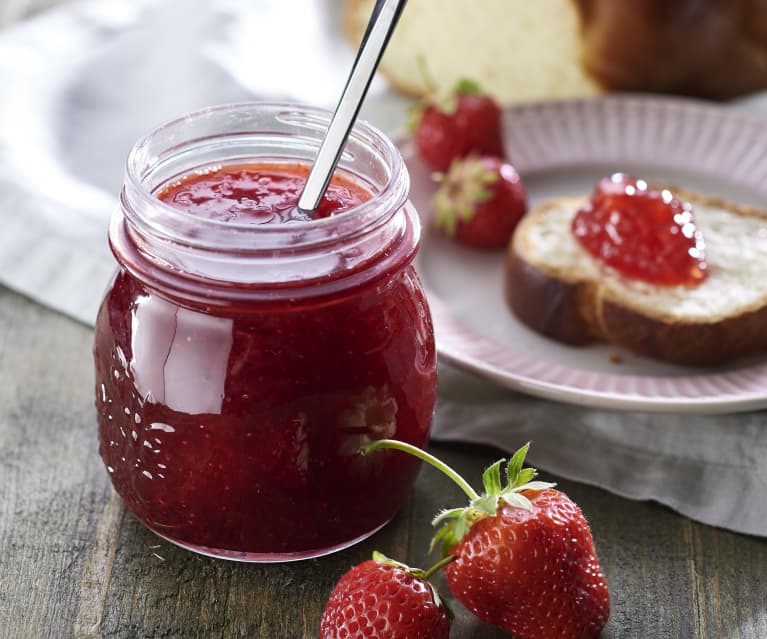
[80,83]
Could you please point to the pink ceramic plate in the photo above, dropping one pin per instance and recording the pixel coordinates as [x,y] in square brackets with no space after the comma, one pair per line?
[562,148]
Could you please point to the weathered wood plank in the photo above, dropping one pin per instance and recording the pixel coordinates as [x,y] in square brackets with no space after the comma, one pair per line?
[169,592]
[74,564]
[730,579]
[52,489]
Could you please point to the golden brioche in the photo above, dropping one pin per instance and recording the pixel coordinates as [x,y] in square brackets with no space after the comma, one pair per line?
[520,50]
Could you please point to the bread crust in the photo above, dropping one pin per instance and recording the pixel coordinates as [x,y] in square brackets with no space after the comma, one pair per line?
[713,50]
[578,310]
[551,306]
[687,343]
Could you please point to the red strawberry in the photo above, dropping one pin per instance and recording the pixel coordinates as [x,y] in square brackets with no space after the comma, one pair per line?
[480,202]
[467,121]
[533,572]
[524,555]
[384,598]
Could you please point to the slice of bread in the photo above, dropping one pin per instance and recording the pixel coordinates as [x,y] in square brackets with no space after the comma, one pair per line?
[557,288]
[521,50]
[517,50]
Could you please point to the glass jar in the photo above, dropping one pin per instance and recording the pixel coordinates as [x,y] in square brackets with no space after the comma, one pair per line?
[240,367]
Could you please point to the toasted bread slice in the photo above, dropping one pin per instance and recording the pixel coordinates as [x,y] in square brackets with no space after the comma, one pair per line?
[558,289]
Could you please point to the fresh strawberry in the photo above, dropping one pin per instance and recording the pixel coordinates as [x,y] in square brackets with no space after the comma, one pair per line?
[466,121]
[533,572]
[524,555]
[480,201]
[384,598]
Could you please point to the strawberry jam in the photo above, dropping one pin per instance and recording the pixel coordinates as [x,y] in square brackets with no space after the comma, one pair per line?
[261,194]
[244,353]
[643,233]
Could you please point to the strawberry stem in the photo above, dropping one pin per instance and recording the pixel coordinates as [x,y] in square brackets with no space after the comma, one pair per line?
[423,456]
[438,566]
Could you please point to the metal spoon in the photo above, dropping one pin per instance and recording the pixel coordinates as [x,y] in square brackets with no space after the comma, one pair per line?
[382,22]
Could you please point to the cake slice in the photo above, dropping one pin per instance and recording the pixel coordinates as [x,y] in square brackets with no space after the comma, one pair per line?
[554,286]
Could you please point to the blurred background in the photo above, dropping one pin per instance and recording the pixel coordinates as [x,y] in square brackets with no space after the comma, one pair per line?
[11,10]
[83,79]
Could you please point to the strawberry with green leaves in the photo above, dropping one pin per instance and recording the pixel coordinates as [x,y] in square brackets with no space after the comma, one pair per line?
[524,556]
[465,121]
[384,598]
[480,202]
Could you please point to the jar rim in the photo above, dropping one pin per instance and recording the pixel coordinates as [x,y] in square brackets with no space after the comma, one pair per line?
[197,258]
[169,222]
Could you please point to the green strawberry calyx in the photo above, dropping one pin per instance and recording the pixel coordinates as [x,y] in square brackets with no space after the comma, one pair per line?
[446,102]
[465,185]
[456,522]
[419,573]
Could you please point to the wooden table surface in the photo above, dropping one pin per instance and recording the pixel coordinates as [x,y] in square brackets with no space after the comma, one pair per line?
[73,563]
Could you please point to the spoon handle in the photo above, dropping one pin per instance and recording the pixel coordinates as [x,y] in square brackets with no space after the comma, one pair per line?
[382,22]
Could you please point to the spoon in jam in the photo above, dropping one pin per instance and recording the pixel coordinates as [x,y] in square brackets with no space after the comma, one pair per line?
[380,27]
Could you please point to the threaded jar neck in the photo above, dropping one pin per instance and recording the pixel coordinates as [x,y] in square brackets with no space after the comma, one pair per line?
[173,250]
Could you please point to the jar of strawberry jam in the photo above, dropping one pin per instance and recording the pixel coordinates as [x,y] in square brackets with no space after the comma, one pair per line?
[244,351]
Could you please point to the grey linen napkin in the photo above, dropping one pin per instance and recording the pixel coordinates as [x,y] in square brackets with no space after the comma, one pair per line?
[711,468]
[82,82]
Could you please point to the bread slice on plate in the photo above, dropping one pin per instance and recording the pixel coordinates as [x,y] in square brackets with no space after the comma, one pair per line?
[557,288]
